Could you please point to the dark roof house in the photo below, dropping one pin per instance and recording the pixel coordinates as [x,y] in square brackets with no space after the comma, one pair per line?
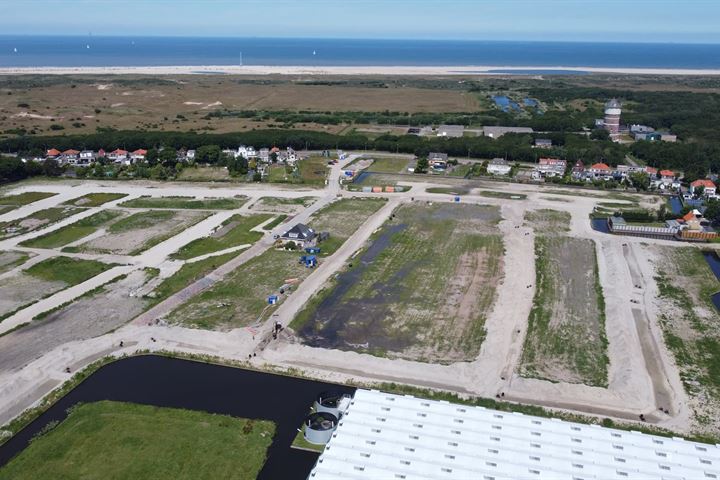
[299,233]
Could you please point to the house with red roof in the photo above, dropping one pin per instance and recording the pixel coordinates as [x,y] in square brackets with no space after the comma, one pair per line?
[667,175]
[118,156]
[578,171]
[709,187]
[138,155]
[551,167]
[53,153]
[600,171]
[652,171]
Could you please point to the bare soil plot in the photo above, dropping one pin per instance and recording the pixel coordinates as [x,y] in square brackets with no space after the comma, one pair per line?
[73,232]
[138,232]
[389,164]
[37,220]
[95,199]
[547,221]
[421,290]
[283,205]
[341,219]
[44,279]
[691,326]
[234,231]
[205,174]
[190,203]
[566,338]
[11,259]
[241,298]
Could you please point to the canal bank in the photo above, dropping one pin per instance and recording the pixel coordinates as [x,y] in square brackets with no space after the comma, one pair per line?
[175,383]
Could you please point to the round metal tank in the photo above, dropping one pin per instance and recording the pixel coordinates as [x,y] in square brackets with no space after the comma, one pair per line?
[329,402]
[319,427]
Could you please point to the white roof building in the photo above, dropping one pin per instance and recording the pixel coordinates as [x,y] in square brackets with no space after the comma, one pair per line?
[385,436]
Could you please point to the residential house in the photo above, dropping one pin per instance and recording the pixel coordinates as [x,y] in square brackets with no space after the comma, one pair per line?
[301,235]
[288,157]
[264,155]
[70,156]
[101,153]
[497,132]
[667,176]
[53,153]
[652,172]
[454,131]
[86,157]
[247,153]
[543,143]
[551,167]
[118,156]
[710,189]
[190,156]
[600,171]
[437,161]
[578,171]
[138,155]
[498,166]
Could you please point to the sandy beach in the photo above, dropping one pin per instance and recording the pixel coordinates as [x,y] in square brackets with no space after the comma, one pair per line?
[344,70]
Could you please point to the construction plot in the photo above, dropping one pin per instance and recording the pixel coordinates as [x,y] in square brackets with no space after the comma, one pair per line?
[10,260]
[37,220]
[566,338]
[75,231]
[138,232]
[11,202]
[691,326]
[241,299]
[235,231]
[44,279]
[283,205]
[341,219]
[190,203]
[421,290]
[95,199]
[547,221]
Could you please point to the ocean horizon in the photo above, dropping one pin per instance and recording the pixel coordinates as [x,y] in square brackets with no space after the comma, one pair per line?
[145,51]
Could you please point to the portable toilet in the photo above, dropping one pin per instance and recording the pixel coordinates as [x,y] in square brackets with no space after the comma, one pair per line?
[272,299]
[310,261]
[457,199]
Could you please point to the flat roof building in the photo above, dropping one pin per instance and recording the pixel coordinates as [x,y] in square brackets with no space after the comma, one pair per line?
[497,132]
[386,436]
[451,131]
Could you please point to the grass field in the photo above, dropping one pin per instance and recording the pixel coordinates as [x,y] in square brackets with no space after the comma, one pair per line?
[566,338]
[449,190]
[95,199]
[421,290]
[504,195]
[74,232]
[37,220]
[341,219]
[313,170]
[205,174]
[187,274]
[187,203]
[388,165]
[278,220]
[547,221]
[233,232]
[283,205]
[128,441]
[72,271]
[11,259]
[690,324]
[25,198]
[241,298]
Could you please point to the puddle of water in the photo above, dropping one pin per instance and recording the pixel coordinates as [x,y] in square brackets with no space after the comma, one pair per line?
[166,382]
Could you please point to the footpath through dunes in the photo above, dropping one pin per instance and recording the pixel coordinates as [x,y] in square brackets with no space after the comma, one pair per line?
[420,291]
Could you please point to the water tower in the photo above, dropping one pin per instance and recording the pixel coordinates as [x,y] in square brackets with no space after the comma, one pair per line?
[613,110]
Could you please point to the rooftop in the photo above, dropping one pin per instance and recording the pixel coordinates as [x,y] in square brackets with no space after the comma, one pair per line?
[386,436]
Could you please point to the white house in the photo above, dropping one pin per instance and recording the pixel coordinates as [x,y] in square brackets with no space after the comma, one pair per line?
[246,152]
[710,189]
[138,155]
[498,166]
[118,156]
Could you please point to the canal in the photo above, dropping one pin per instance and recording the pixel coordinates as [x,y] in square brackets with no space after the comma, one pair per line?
[166,382]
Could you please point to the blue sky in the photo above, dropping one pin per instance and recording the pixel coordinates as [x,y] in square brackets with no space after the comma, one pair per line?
[576,20]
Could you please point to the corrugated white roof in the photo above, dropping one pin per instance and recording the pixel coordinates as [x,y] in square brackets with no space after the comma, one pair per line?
[385,436]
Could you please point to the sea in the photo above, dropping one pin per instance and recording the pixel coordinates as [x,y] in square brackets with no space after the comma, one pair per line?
[101,51]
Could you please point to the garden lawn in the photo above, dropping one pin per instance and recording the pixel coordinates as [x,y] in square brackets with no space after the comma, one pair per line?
[113,440]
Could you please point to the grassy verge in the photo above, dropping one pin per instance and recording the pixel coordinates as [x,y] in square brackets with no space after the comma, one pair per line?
[74,232]
[25,198]
[10,260]
[124,440]
[566,338]
[278,220]
[449,190]
[187,203]
[504,195]
[236,232]
[95,199]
